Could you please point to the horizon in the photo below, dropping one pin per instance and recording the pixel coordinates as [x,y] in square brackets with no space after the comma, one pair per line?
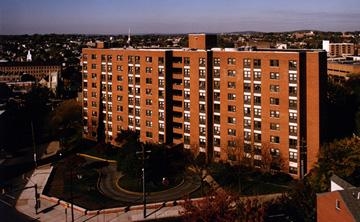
[21,17]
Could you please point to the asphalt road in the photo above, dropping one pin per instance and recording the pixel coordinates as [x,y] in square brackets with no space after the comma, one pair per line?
[108,186]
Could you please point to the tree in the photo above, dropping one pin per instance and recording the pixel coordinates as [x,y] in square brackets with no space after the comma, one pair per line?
[340,157]
[220,206]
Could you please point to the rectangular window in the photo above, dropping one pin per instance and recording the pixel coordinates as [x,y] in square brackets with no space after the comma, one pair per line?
[247,123]
[293,130]
[149,134]
[231,96]
[231,108]
[232,120]
[148,69]
[292,65]
[292,104]
[148,102]
[119,57]
[274,75]
[231,132]
[247,63]
[274,139]
[274,101]
[293,156]
[292,91]
[247,75]
[148,123]
[232,73]
[275,126]
[257,75]
[247,99]
[274,88]
[257,88]
[148,80]
[202,62]
[257,125]
[216,61]
[257,113]
[231,85]
[186,61]
[257,63]
[247,111]
[293,117]
[231,61]
[257,100]
[148,112]
[216,73]
[293,143]
[93,66]
[275,113]
[202,73]
[247,87]
[292,77]
[274,62]
[148,59]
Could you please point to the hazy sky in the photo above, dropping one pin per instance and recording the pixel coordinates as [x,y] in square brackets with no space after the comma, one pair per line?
[176,16]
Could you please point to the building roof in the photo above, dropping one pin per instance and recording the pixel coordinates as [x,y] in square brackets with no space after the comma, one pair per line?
[339,181]
[7,64]
[351,198]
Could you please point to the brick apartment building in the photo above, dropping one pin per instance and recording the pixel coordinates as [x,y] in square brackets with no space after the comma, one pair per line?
[12,71]
[228,103]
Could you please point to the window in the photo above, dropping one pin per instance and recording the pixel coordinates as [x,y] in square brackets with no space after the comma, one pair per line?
[93,56]
[257,137]
[274,75]
[93,66]
[231,132]
[119,98]
[275,113]
[148,112]
[292,77]
[202,62]
[202,84]
[148,69]
[231,96]
[148,123]
[247,74]
[247,99]
[257,63]
[275,139]
[231,61]
[292,65]
[119,57]
[202,119]
[292,143]
[293,170]
[161,83]
[149,134]
[337,204]
[257,88]
[232,73]
[247,135]
[119,78]
[274,101]
[231,143]
[186,61]
[216,73]
[257,75]
[274,88]
[202,108]
[216,61]
[292,103]
[202,73]
[257,100]
[232,120]
[292,130]
[293,156]
[292,91]
[274,152]
[148,102]
[93,104]
[247,63]
[202,96]
[148,80]
[275,126]
[257,113]
[232,85]
[247,111]
[293,117]
[231,108]
[148,59]
[216,84]
[247,123]
[247,87]
[274,62]
[148,91]
[257,125]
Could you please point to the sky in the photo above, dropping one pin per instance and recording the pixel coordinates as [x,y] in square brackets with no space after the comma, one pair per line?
[176,16]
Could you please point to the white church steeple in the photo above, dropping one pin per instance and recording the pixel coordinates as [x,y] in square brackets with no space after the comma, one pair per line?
[29,57]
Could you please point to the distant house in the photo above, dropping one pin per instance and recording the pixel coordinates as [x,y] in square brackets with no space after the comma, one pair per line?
[342,203]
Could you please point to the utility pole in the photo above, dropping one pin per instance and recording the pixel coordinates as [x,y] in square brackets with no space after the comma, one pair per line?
[33,140]
[143,157]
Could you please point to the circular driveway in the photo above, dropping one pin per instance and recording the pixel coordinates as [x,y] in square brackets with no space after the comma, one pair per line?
[108,186]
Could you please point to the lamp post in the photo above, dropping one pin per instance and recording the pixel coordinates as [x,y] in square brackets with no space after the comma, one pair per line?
[143,157]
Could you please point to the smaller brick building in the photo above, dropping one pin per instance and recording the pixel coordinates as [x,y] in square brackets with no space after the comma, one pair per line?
[342,203]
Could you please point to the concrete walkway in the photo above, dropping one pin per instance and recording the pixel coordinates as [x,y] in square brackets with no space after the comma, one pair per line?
[52,209]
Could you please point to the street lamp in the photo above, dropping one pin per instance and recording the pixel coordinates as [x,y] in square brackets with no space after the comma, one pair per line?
[143,157]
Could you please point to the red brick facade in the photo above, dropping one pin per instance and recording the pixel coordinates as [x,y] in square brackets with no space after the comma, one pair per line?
[224,102]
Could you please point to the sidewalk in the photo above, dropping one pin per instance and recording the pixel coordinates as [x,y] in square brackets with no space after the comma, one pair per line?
[52,209]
